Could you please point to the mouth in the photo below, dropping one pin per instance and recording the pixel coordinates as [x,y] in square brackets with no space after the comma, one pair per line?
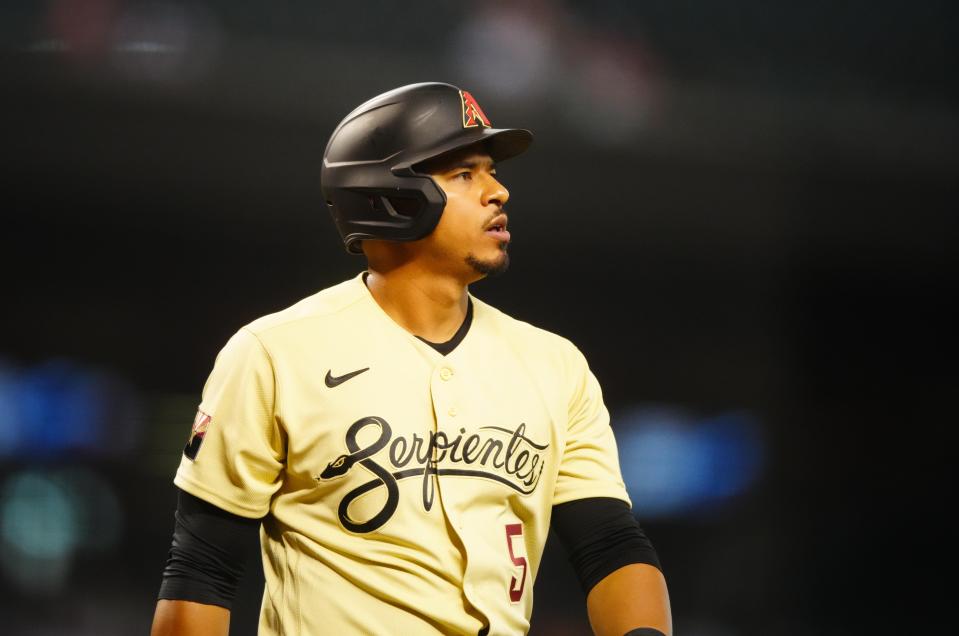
[496,229]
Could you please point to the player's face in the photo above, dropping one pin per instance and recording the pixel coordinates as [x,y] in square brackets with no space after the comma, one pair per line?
[471,233]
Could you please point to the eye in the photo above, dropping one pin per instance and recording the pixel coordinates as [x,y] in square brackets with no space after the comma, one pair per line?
[466,174]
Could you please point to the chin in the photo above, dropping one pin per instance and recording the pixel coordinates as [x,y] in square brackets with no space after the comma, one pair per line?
[489,266]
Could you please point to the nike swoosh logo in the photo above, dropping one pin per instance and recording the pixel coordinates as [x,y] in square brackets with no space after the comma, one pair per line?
[332,381]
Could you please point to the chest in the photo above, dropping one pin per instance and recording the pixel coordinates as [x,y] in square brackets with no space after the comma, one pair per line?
[482,416]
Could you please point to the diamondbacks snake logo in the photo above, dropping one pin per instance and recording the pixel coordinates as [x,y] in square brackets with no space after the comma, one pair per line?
[473,115]
[503,455]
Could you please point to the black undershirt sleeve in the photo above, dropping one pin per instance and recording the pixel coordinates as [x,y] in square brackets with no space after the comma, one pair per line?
[601,535]
[210,547]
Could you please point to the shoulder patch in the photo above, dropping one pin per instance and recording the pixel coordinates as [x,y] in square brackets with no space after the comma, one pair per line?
[200,425]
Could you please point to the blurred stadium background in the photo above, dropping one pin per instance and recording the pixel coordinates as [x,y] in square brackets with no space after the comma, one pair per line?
[744,213]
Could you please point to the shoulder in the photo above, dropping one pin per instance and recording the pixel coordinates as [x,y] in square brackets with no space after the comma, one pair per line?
[324,304]
[325,313]
[533,341]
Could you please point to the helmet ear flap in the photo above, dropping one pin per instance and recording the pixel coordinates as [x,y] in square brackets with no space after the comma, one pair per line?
[411,208]
[397,206]
[378,207]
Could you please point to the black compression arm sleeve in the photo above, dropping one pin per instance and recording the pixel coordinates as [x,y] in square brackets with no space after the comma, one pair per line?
[601,535]
[210,547]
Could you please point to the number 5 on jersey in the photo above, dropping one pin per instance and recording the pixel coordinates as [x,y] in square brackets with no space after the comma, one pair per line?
[516,586]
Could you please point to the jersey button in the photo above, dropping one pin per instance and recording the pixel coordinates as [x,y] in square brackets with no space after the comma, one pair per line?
[446,373]
[452,412]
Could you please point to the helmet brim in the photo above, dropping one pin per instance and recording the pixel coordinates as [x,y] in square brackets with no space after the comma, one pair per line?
[500,143]
[505,143]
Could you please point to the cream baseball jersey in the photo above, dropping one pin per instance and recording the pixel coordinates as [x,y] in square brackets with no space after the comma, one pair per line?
[403,491]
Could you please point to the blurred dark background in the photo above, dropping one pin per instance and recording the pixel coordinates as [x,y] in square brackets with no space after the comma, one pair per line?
[742,212]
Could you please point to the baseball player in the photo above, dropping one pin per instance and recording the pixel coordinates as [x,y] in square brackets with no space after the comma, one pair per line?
[403,448]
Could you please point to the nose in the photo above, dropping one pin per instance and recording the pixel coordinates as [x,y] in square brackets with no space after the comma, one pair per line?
[495,192]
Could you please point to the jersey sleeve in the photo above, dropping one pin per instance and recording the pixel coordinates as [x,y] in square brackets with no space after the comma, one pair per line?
[237,464]
[589,466]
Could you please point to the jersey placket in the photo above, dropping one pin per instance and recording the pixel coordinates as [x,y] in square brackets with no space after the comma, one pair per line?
[443,385]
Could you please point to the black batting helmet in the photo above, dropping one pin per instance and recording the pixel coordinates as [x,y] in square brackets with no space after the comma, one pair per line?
[369,176]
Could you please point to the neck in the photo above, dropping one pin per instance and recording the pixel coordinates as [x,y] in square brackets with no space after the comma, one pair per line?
[426,304]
